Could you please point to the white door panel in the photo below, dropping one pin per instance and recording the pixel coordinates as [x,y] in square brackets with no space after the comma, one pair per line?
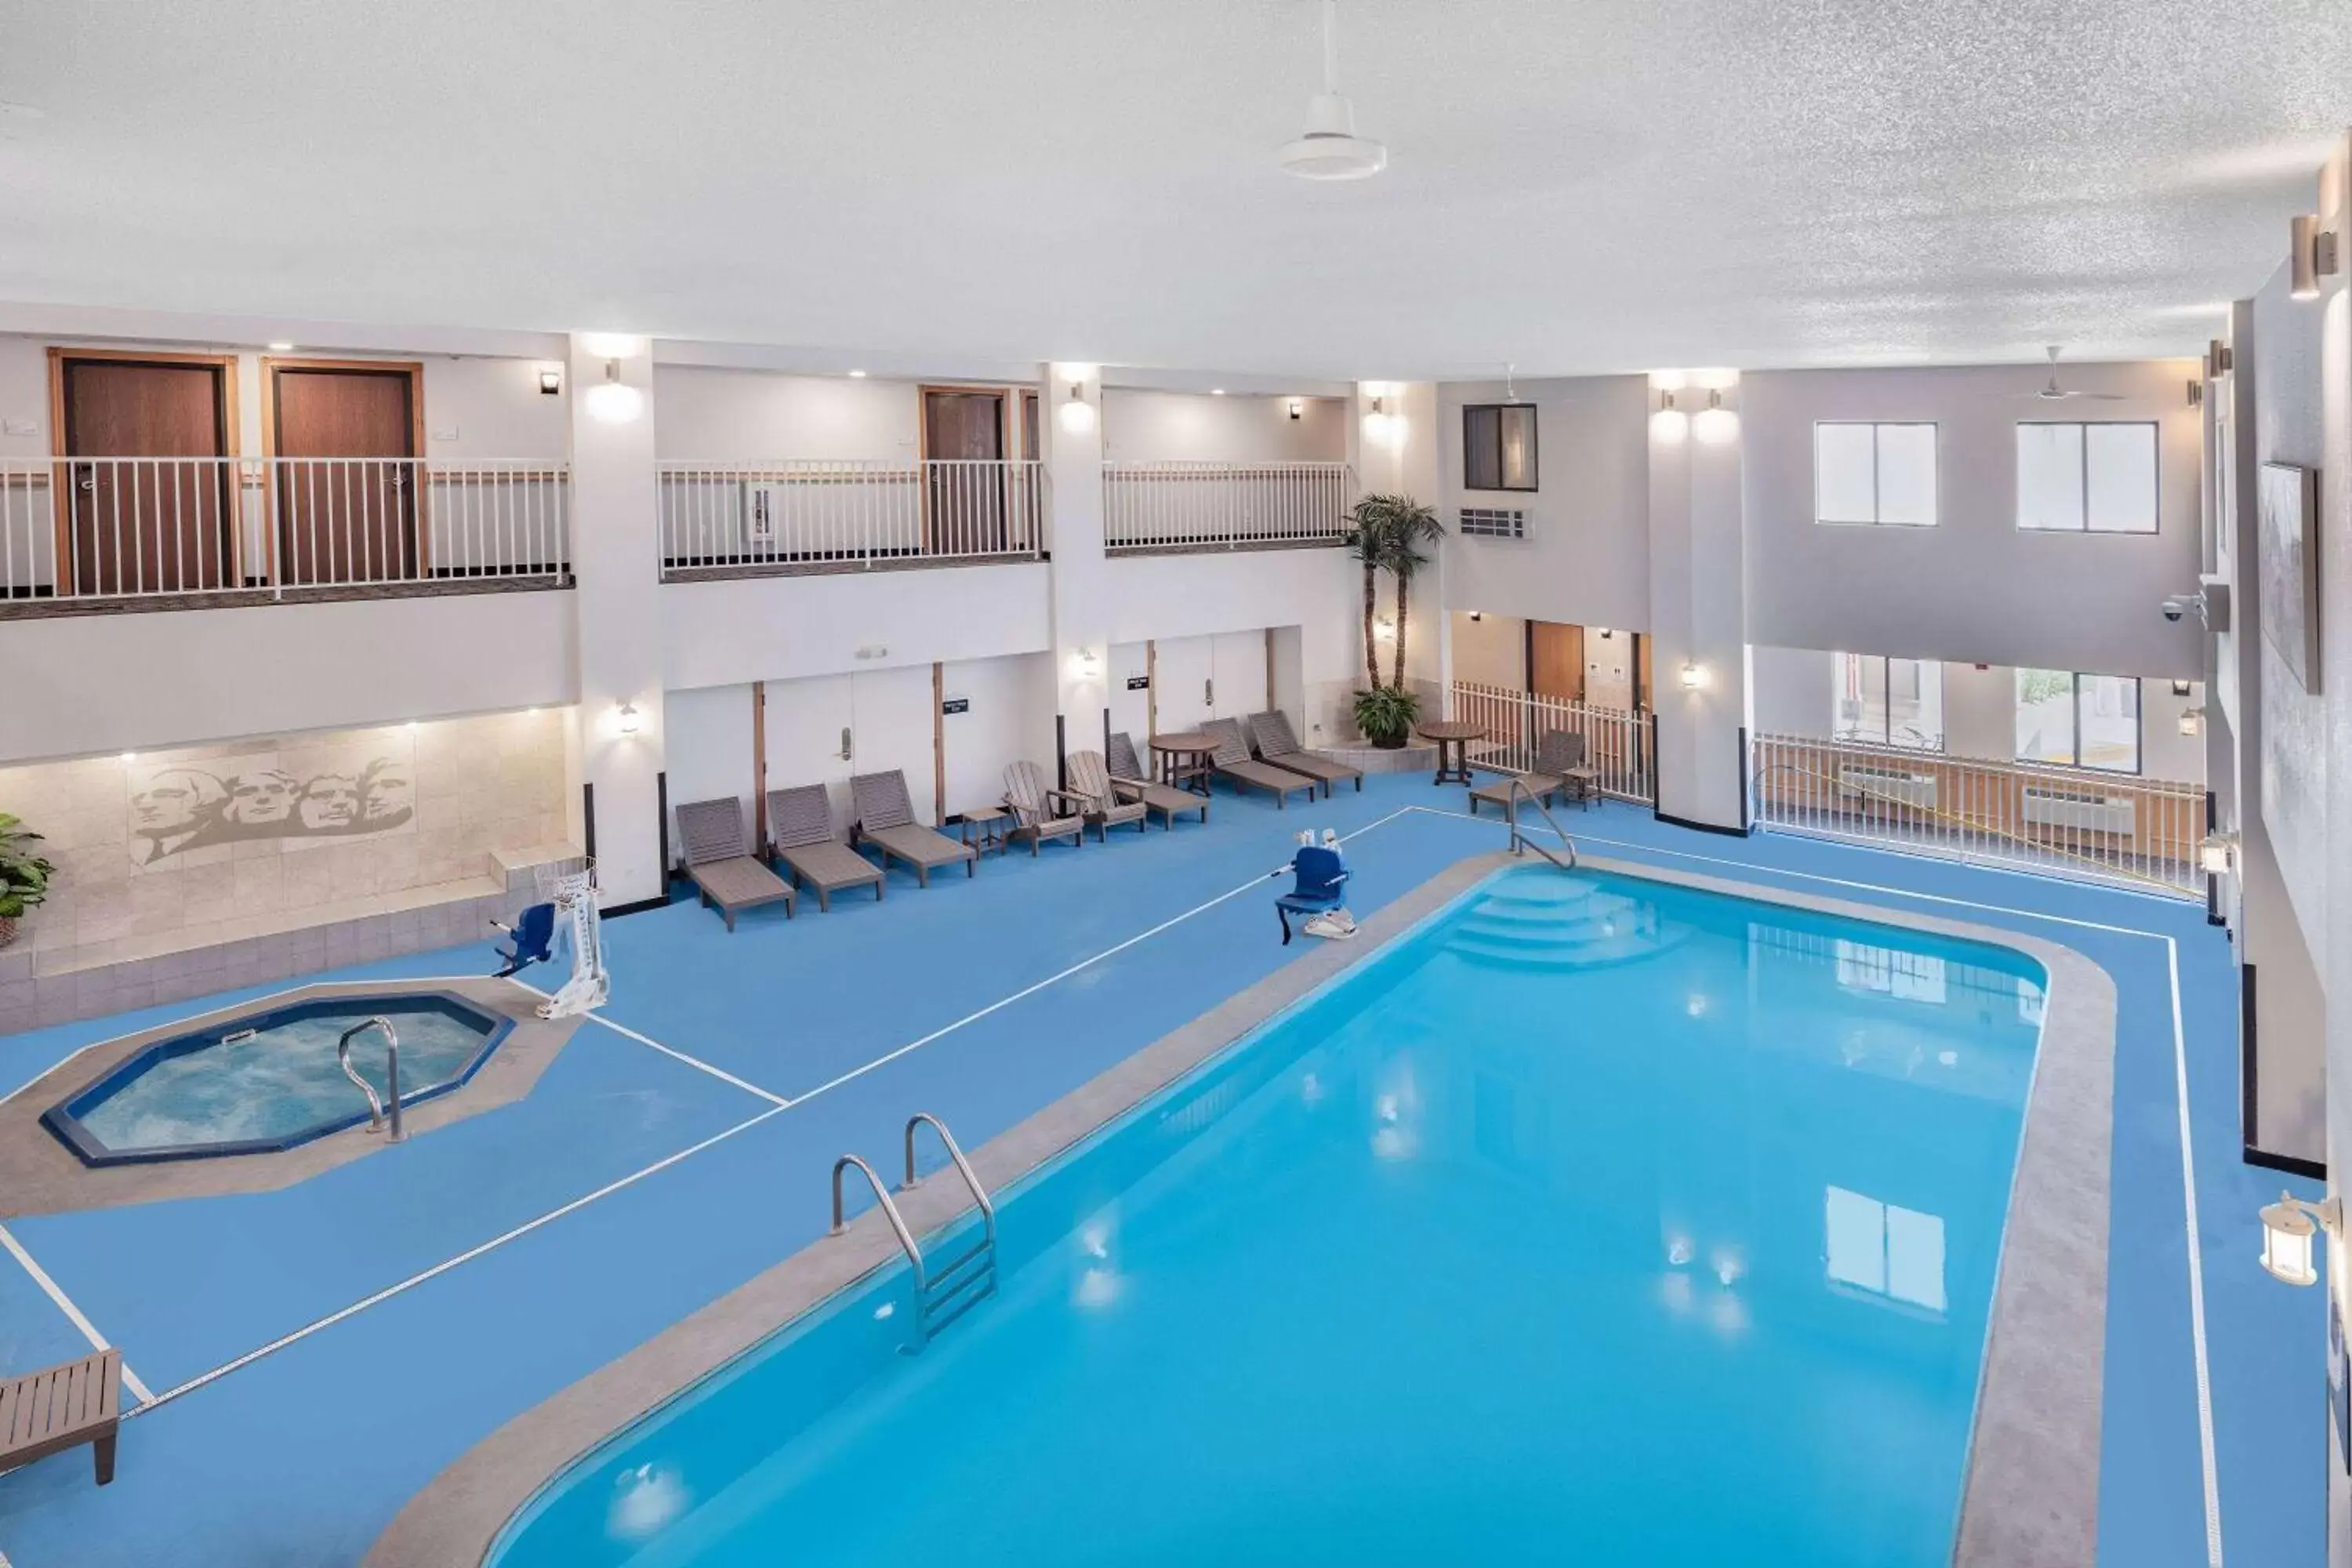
[805,724]
[1131,711]
[1237,662]
[1186,666]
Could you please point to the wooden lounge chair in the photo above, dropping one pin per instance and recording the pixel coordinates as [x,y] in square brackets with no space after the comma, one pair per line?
[885,819]
[1040,811]
[1232,762]
[1107,807]
[800,834]
[1130,780]
[1559,766]
[1278,742]
[61,1407]
[720,862]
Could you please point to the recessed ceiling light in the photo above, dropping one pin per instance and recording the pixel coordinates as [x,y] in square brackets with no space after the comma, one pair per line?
[1216,392]
[858,375]
[281,348]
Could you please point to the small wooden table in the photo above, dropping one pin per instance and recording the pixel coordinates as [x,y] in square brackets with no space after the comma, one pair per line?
[1184,759]
[61,1408]
[995,825]
[1456,734]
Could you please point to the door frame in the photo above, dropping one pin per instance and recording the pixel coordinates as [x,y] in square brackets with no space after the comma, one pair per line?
[414,371]
[228,411]
[1008,432]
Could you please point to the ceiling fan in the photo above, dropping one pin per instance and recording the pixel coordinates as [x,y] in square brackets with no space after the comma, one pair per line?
[2053,392]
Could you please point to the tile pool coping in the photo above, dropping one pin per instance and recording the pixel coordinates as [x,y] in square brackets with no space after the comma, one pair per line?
[2030,1496]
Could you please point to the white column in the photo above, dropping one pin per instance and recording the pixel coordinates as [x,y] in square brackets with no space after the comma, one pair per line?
[1072,442]
[1698,606]
[616,566]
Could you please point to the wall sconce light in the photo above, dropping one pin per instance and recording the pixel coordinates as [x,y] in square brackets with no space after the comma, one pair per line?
[1086,664]
[1716,425]
[2217,359]
[1477,615]
[2311,256]
[613,400]
[1297,408]
[551,381]
[1077,414]
[626,720]
[1384,629]
[2288,1226]
[1669,424]
[2192,721]
[1694,676]
[2180,688]
[2216,853]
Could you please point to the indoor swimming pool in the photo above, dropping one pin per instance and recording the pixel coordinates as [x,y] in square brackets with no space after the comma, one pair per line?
[270,1081]
[1596,1219]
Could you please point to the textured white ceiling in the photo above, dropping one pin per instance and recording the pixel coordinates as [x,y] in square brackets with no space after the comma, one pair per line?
[1600,184]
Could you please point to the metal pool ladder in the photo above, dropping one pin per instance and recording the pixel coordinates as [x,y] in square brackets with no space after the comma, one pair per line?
[392,1072]
[965,1280]
[1521,842]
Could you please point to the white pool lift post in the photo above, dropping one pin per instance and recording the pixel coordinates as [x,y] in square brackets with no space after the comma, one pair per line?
[573,894]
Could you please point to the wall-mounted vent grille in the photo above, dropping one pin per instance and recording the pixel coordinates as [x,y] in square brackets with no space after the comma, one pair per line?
[1493,522]
[2081,810]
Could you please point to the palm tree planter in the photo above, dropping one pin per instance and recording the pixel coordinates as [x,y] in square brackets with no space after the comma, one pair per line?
[1386,534]
[24,876]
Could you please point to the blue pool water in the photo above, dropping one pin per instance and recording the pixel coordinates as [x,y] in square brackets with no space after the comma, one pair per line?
[272,1079]
[1597,1221]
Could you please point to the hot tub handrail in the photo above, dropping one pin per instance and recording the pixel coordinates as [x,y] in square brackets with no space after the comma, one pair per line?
[392,1072]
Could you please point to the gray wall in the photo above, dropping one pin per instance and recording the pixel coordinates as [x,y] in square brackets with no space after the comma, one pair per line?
[1973,587]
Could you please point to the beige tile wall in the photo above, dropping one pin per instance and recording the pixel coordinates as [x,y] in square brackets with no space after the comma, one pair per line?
[481,784]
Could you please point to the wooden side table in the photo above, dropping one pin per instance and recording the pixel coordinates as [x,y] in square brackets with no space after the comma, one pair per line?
[1453,738]
[995,825]
[1184,759]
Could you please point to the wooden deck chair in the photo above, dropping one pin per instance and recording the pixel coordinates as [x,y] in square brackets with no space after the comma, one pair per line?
[720,862]
[1278,742]
[800,834]
[1129,778]
[1233,762]
[1105,806]
[885,819]
[1040,811]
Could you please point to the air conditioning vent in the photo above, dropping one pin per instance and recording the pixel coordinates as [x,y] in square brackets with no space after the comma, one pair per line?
[1492,522]
[1886,785]
[2081,811]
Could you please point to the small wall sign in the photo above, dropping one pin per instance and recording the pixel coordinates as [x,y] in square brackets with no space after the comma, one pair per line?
[1138,683]
[956,705]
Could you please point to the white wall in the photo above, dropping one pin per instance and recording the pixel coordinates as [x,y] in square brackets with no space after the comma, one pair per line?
[1586,559]
[726,416]
[1010,719]
[85,685]
[708,748]
[1142,426]
[1491,650]
[753,629]
[1974,586]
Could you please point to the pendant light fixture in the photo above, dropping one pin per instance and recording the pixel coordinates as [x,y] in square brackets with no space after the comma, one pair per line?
[1331,150]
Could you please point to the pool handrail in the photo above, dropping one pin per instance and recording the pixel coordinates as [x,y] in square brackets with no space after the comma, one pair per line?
[392,1072]
[1516,787]
[956,1296]
[889,1209]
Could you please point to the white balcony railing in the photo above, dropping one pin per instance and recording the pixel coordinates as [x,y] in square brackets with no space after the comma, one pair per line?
[1197,506]
[819,515]
[2074,822]
[1616,740]
[128,528]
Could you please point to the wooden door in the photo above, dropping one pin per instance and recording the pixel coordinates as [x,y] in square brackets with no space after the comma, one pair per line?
[345,476]
[1641,673]
[963,445]
[146,527]
[1555,660]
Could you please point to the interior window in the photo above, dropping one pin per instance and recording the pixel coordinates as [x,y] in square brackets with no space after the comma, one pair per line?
[1498,447]
[1890,701]
[1881,474]
[2077,478]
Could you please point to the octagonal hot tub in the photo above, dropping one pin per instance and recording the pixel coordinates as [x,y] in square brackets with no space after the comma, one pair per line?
[269,1080]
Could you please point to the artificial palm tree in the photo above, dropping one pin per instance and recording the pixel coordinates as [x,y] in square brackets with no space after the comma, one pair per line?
[1385,532]
[1411,525]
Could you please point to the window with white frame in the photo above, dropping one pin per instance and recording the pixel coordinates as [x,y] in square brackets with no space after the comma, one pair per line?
[2078,720]
[1889,702]
[1876,474]
[1885,1249]
[2086,479]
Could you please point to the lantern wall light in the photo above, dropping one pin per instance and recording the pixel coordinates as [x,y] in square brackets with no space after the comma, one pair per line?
[2288,1227]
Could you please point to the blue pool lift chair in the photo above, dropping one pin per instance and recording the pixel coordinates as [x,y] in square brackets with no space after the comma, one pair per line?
[534,939]
[1320,876]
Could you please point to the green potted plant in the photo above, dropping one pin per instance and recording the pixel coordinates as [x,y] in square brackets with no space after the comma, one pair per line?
[24,876]
[1386,534]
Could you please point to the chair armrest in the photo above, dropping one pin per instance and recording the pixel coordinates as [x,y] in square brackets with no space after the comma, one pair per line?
[1070,799]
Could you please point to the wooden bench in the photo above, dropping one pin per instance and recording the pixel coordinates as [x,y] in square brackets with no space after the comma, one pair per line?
[62,1408]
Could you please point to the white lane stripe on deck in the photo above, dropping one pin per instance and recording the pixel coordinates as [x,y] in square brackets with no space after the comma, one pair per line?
[696,1062]
[421,1275]
[97,1342]
[1084,964]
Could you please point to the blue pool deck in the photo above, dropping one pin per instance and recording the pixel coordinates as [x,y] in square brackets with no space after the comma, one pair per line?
[313,1356]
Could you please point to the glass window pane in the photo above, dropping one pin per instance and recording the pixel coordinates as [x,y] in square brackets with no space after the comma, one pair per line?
[1914,704]
[2045,716]
[1482,449]
[2121,461]
[2109,722]
[1845,485]
[1907,474]
[1518,436]
[2050,476]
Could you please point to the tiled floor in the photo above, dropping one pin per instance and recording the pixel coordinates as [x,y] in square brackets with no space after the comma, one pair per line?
[420,1297]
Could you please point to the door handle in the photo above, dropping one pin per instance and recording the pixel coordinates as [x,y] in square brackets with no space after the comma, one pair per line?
[844,743]
[1209,692]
